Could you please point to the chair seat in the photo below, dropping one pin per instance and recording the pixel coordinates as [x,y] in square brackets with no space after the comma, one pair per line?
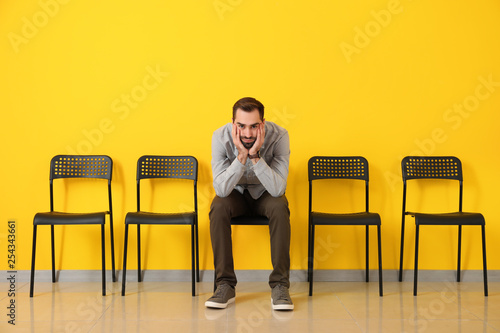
[457,218]
[362,218]
[60,218]
[160,218]
[250,220]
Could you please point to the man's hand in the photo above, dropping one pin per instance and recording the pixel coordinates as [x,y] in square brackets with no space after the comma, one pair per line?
[242,151]
[261,135]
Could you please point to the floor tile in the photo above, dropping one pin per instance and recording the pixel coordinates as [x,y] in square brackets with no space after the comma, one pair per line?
[334,306]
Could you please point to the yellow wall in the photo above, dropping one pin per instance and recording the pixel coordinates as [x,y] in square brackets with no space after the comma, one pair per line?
[382,79]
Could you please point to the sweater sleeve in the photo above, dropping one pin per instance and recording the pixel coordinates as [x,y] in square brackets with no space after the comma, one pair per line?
[226,174]
[274,176]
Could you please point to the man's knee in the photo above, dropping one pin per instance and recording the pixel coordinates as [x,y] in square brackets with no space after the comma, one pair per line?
[217,203]
[219,206]
[277,206]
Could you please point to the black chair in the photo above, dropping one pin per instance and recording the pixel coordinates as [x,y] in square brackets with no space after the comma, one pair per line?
[246,220]
[176,167]
[77,166]
[349,167]
[438,167]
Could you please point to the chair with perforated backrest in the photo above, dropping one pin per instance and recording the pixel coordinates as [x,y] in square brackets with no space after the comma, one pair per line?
[246,220]
[174,167]
[438,167]
[77,166]
[347,167]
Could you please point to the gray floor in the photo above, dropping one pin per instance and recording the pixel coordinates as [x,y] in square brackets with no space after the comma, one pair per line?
[336,306]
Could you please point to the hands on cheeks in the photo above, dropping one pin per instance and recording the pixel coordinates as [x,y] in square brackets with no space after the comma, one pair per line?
[261,134]
[243,152]
[237,141]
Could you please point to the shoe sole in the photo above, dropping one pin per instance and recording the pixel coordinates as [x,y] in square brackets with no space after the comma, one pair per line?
[281,306]
[216,305]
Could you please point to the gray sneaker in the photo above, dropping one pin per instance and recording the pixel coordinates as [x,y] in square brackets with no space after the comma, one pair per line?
[280,298]
[223,295]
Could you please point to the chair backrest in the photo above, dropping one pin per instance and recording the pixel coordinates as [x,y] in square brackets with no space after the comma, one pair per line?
[338,167]
[441,167]
[432,167]
[80,166]
[177,167]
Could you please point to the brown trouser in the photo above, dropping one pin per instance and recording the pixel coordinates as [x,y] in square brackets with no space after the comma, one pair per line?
[236,204]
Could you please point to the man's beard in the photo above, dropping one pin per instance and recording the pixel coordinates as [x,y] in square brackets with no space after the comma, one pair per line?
[248,145]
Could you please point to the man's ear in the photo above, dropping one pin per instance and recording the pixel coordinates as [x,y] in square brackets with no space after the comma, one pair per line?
[232,120]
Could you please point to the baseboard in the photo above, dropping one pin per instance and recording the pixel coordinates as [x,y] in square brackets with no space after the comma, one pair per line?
[338,275]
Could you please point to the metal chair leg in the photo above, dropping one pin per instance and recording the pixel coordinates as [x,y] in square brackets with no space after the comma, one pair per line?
[401,249]
[459,256]
[311,261]
[485,270]
[112,235]
[33,253]
[197,254]
[367,254]
[193,265]
[103,247]
[139,273]
[380,287]
[53,253]
[308,250]
[125,246]
[415,278]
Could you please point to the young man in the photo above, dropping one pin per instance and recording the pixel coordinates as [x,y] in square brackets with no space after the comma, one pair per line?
[250,160]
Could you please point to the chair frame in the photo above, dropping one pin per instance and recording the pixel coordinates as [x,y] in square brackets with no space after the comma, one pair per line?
[340,167]
[424,167]
[71,166]
[155,172]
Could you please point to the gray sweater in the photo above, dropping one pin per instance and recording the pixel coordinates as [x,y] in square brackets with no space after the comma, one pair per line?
[268,174]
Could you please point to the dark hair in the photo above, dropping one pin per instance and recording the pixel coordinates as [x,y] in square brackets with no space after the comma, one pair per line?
[249,104]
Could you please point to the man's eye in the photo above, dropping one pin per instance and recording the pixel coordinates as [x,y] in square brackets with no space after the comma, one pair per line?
[241,126]
[254,126]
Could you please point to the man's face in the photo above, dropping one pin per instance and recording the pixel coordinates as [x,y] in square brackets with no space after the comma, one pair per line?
[247,123]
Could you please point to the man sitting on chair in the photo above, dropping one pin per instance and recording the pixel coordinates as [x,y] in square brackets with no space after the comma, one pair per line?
[250,160]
